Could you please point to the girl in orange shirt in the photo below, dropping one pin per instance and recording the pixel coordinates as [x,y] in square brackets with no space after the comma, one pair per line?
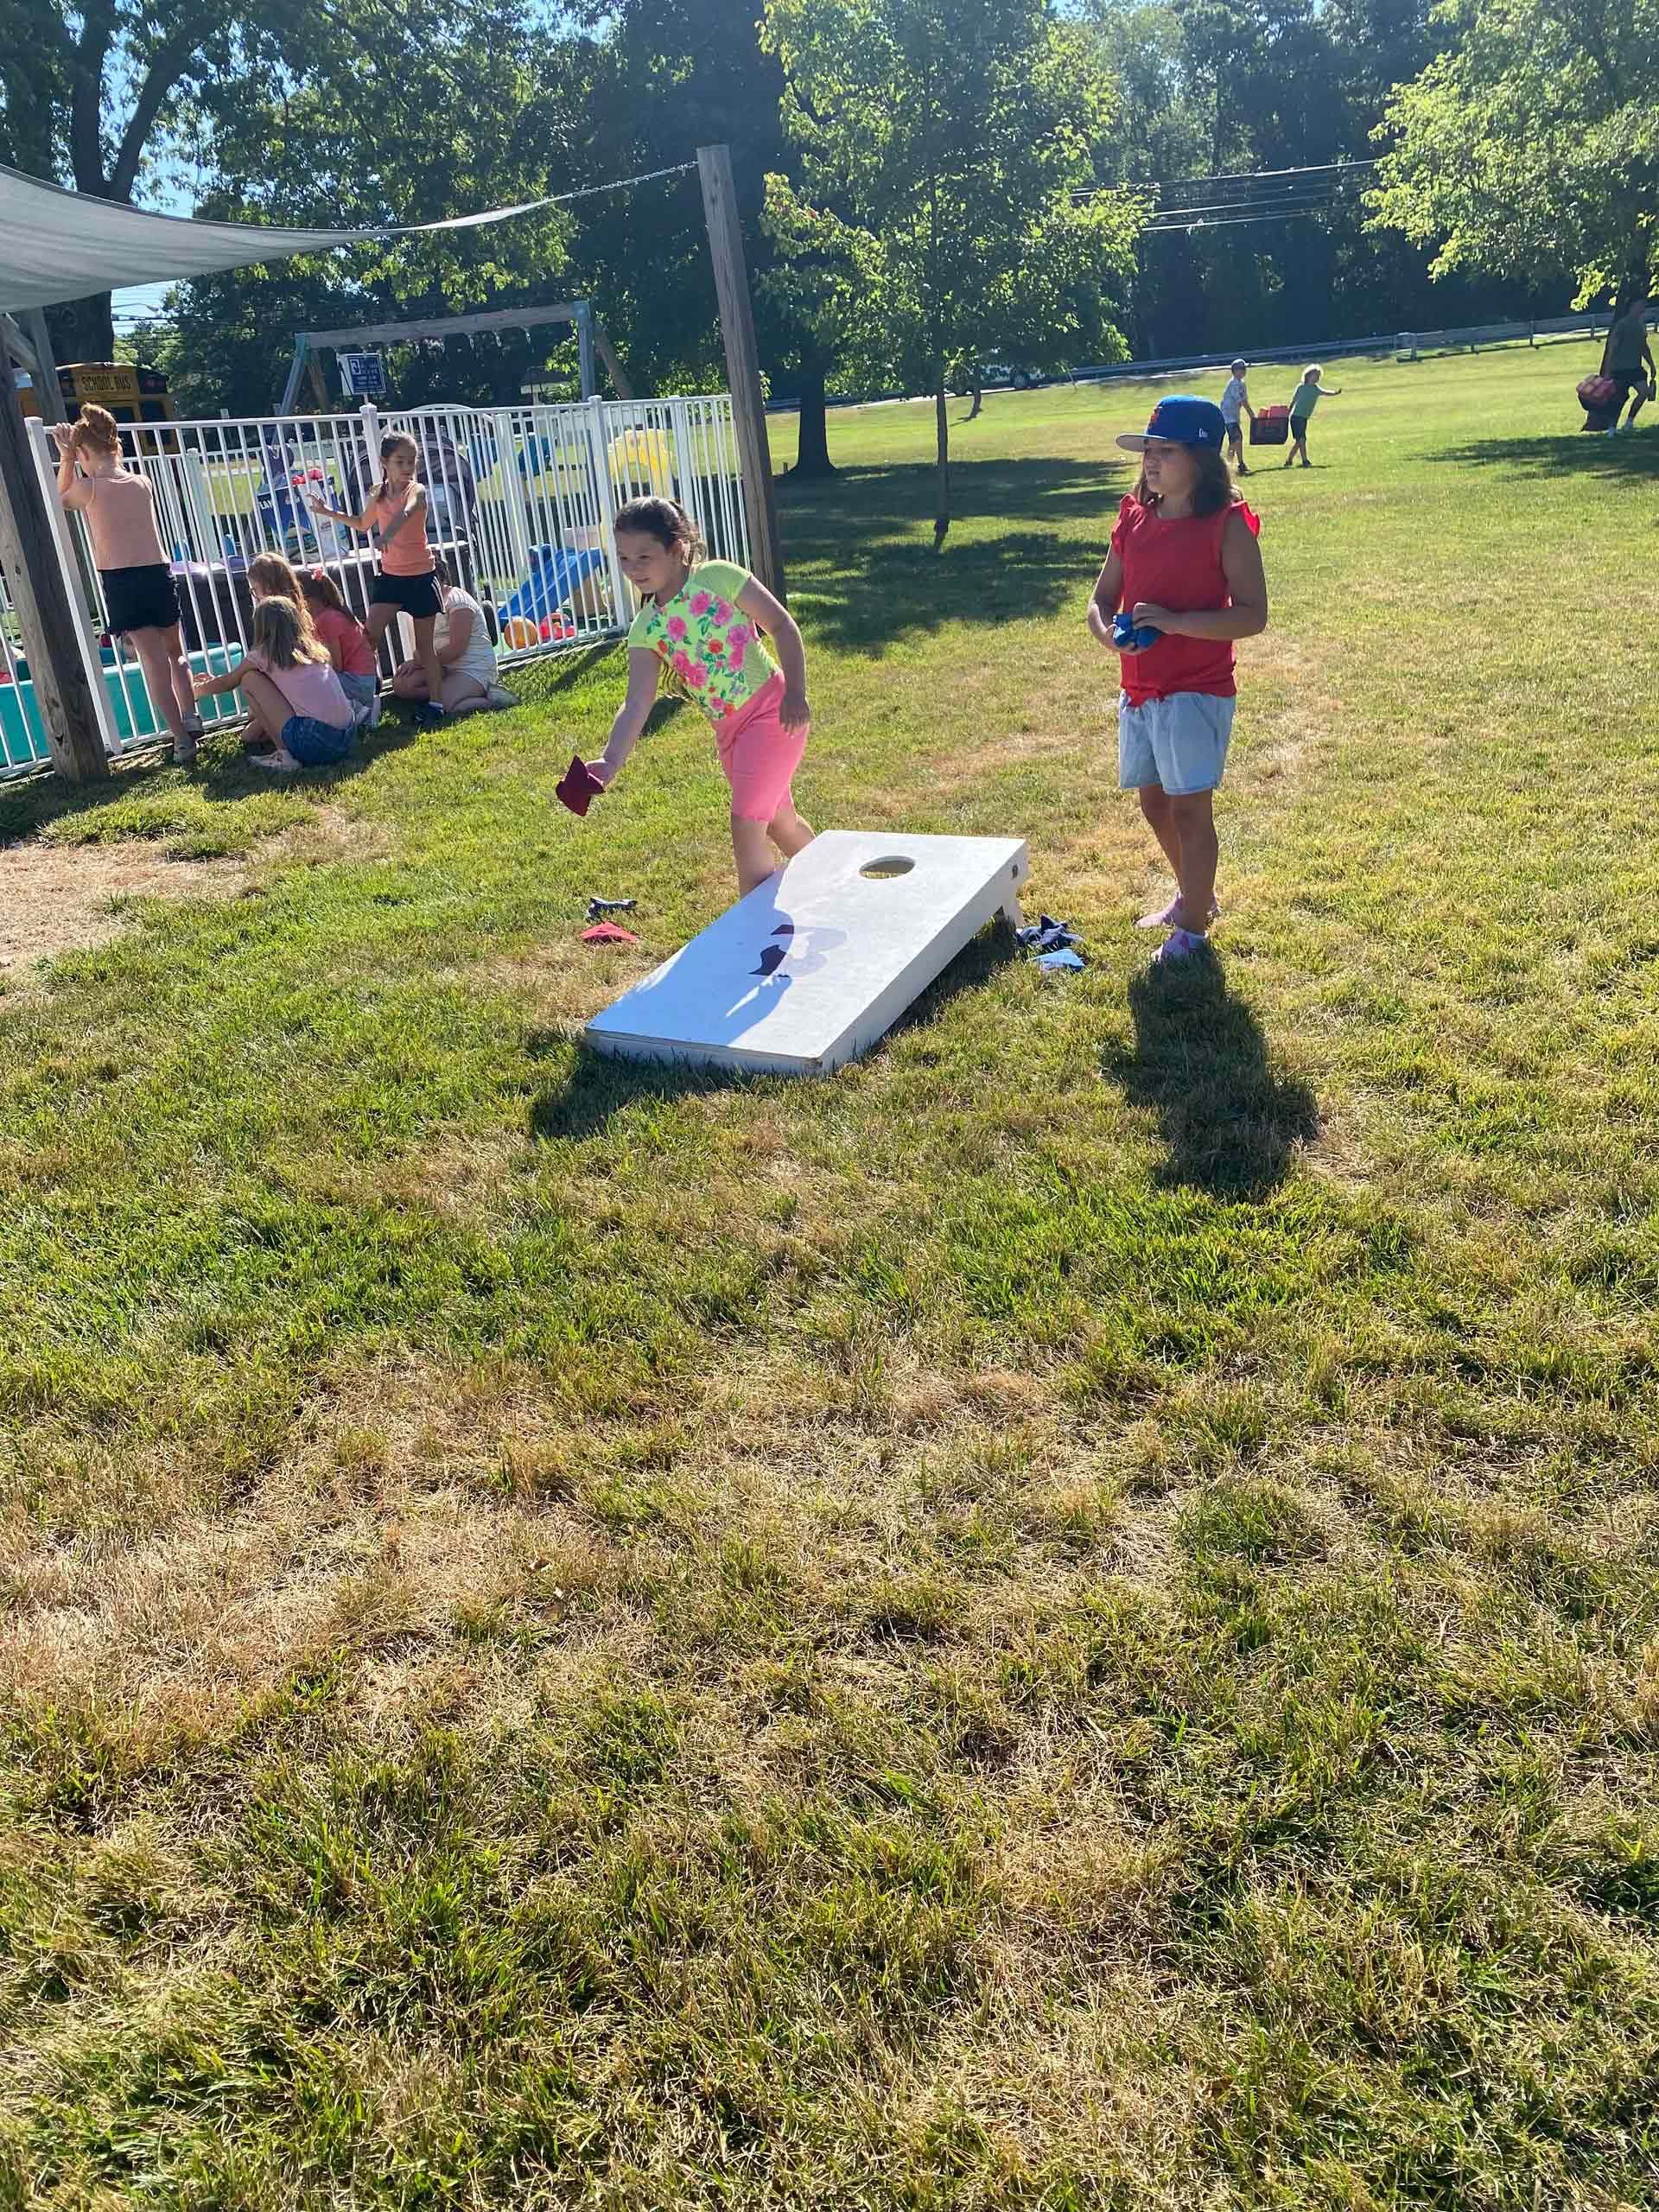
[406,583]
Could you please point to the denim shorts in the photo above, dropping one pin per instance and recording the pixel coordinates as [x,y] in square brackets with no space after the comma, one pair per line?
[1180,742]
[360,690]
[315,744]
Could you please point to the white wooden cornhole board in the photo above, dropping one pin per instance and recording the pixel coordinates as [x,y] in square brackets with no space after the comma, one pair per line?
[808,972]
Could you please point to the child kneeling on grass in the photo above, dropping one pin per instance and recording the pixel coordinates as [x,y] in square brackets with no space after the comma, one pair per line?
[293,696]
[1186,564]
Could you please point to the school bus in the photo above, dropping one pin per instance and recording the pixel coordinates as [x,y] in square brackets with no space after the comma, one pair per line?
[132,395]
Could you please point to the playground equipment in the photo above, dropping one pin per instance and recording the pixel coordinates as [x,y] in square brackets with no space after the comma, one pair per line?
[557,574]
[590,341]
[641,460]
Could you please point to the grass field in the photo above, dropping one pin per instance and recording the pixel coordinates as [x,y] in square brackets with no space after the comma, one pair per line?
[1068,1619]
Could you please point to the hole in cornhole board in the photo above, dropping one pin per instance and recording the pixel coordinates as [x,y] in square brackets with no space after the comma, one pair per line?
[891,865]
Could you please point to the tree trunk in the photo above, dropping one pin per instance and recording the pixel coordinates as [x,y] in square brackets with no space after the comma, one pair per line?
[813,455]
[942,505]
[83,330]
[979,401]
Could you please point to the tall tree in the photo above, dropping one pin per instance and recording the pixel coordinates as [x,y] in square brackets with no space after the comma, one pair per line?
[942,145]
[659,87]
[388,129]
[92,94]
[1533,144]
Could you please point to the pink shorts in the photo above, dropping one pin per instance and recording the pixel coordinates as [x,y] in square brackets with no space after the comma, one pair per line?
[758,755]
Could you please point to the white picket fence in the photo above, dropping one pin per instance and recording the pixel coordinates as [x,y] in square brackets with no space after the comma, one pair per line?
[521,501]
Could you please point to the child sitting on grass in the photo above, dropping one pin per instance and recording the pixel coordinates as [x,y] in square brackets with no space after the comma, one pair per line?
[349,649]
[293,696]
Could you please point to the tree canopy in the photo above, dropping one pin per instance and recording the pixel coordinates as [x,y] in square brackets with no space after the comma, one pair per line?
[919,180]
[1531,145]
[947,200]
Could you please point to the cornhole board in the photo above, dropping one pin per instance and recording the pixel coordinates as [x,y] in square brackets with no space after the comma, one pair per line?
[810,971]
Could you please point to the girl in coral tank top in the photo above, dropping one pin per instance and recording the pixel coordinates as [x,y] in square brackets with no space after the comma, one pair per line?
[1186,571]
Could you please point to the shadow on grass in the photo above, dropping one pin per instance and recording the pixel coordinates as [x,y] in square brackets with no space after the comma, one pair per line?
[1582,454]
[594,1088]
[542,679]
[1200,1062]
[896,585]
[225,773]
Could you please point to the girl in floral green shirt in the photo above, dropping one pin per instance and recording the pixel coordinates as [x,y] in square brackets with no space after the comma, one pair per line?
[706,620]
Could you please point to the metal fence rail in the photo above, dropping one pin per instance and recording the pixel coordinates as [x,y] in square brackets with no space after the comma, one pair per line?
[520,499]
[1421,342]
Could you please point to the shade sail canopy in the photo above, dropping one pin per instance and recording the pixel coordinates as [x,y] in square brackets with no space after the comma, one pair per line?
[62,245]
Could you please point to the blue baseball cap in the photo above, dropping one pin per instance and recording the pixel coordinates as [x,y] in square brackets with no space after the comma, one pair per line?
[1180,420]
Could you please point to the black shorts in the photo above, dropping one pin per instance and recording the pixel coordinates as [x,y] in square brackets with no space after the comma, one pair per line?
[145,598]
[416,595]
[1299,426]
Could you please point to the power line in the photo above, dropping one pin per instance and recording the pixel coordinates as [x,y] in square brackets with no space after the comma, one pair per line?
[1307,168]
[1326,170]
[1225,222]
[1268,203]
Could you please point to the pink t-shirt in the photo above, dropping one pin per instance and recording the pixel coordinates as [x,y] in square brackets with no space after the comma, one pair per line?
[310,686]
[349,640]
[120,511]
[409,553]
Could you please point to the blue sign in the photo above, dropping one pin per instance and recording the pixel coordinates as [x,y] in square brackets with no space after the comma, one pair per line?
[362,376]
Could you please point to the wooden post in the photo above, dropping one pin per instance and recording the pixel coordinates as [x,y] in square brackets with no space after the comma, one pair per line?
[743,363]
[49,619]
[46,366]
[606,352]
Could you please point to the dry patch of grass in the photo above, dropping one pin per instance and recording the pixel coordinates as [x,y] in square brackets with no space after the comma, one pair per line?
[65,891]
[59,899]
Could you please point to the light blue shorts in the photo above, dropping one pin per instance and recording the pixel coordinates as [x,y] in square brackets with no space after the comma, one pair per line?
[1180,742]
[360,690]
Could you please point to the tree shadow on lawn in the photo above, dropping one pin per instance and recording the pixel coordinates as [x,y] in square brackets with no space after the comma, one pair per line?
[1200,1061]
[225,773]
[1582,454]
[594,1088]
[865,573]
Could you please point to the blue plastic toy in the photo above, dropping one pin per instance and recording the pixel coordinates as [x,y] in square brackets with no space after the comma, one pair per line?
[555,574]
[1124,633]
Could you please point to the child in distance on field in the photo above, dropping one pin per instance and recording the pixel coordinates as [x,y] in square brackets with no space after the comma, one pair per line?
[1235,402]
[1306,397]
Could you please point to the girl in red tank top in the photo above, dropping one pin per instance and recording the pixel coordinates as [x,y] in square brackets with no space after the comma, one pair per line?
[1183,580]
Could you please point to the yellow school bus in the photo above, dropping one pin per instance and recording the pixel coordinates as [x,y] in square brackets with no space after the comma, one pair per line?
[131,394]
